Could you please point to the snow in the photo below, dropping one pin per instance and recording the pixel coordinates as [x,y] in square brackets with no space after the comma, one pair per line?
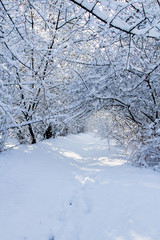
[76,188]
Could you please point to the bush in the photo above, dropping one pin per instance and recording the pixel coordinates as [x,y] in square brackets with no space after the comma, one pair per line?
[146,151]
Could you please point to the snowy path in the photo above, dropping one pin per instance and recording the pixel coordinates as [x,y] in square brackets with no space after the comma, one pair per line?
[76,188]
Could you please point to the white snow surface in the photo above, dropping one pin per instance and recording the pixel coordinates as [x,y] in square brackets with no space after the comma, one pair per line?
[76,188]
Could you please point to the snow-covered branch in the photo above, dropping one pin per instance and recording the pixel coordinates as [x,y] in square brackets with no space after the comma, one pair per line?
[118,18]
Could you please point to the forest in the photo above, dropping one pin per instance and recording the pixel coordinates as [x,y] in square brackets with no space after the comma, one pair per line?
[72,66]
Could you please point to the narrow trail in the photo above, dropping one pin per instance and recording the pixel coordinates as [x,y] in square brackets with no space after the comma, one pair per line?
[76,188]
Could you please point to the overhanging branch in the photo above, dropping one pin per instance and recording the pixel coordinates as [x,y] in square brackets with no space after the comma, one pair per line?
[123,27]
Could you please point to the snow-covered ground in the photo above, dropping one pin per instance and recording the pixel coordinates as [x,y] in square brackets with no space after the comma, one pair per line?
[76,188]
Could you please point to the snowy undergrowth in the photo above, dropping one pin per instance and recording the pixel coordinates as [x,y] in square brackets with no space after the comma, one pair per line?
[76,188]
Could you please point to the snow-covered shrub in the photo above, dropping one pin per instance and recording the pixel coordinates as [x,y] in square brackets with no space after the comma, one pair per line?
[146,150]
[142,142]
[2,140]
[3,132]
[110,125]
[63,128]
[76,126]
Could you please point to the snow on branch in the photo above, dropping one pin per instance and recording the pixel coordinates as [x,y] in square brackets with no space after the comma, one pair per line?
[90,7]
[9,16]
[118,15]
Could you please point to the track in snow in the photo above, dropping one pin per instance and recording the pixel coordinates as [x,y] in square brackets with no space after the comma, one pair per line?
[76,188]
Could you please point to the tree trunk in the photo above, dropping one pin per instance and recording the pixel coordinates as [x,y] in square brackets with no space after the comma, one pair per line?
[33,138]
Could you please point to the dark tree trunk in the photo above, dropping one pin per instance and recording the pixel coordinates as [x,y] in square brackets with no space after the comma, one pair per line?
[33,138]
